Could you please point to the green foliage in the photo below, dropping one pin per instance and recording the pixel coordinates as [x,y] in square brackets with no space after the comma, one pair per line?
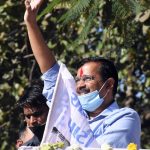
[116,29]
[49,8]
[122,9]
[119,11]
[77,7]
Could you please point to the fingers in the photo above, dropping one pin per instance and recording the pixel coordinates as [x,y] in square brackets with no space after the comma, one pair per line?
[27,4]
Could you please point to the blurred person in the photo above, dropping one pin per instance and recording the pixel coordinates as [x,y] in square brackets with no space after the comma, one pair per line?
[35,111]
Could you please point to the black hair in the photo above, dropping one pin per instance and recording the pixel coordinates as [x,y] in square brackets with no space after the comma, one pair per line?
[32,96]
[107,69]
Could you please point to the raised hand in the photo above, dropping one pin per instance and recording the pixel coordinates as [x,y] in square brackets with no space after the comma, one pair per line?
[32,7]
[43,55]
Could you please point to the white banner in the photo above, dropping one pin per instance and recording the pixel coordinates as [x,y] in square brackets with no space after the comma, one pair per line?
[66,120]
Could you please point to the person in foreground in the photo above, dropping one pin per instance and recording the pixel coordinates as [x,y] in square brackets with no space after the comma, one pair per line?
[35,111]
[96,86]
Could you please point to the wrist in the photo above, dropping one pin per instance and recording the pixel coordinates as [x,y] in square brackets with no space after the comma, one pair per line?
[30,22]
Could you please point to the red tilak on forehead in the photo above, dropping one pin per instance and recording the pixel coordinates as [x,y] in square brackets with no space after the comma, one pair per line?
[81,72]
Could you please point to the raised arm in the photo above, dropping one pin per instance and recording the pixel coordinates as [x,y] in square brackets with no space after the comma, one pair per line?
[42,53]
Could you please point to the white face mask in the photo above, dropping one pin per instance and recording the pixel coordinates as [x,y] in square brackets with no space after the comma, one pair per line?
[91,101]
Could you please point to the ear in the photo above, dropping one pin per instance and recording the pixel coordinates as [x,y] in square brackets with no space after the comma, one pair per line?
[110,83]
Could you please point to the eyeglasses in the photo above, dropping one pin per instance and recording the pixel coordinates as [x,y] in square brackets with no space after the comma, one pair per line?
[85,78]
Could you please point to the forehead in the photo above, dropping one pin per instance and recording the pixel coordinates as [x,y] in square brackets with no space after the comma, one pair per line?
[90,68]
[30,110]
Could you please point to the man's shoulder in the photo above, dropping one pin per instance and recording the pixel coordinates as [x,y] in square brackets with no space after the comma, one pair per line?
[127,111]
[122,114]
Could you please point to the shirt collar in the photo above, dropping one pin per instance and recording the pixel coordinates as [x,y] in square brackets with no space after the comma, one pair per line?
[109,109]
[114,106]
